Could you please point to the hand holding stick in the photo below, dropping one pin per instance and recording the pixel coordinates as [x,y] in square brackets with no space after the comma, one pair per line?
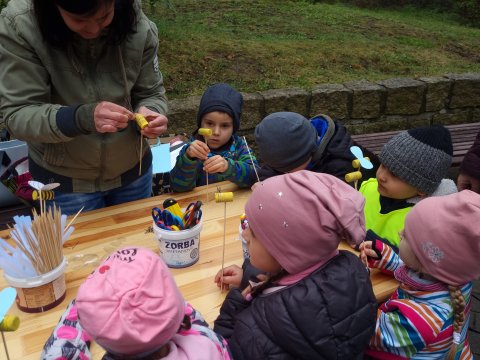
[205,132]
[142,124]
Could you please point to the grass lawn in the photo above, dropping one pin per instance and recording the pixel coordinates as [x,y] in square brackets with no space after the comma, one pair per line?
[267,44]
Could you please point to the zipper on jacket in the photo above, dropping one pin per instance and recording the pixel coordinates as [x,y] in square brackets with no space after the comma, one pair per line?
[92,69]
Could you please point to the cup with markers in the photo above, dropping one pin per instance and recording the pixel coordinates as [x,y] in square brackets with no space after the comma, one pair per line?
[178,232]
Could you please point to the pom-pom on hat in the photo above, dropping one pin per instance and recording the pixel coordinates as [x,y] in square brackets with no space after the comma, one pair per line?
[224,98]
[444,234]
[421,157]
[285,140]
[301,217]
[130,304]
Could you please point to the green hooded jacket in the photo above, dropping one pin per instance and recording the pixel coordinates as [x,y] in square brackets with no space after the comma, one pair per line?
[48,96]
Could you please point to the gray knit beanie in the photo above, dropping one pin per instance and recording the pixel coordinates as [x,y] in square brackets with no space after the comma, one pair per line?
[285,140]
[421,157]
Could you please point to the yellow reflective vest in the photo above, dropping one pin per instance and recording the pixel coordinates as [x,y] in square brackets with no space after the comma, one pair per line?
[387,225]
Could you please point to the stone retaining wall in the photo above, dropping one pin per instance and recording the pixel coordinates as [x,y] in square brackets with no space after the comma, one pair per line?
[363,106]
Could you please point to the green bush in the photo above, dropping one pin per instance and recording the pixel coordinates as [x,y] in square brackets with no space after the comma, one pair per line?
[467,10]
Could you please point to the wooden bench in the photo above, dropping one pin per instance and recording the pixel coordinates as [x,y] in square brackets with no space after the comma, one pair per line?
[463,136]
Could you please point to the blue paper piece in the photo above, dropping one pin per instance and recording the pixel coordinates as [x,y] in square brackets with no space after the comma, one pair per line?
[364,162]
[7,297]
[161,158]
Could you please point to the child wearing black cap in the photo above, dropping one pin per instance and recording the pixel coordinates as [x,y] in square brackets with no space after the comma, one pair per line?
[223,155]
[413,166]
[288,142]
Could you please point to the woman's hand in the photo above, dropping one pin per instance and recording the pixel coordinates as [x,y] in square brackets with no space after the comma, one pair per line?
[198,150]
[110,117]
[232,276]
[215,164]
[157,123]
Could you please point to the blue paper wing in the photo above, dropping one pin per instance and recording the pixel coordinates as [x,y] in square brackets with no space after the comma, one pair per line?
[365,163]
[7,297]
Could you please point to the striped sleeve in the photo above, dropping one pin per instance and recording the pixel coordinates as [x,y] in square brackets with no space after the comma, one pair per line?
[183,176]
[388,260]
[241,169]
[404,328]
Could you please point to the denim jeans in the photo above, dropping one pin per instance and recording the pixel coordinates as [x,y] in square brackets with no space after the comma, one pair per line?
[71,203]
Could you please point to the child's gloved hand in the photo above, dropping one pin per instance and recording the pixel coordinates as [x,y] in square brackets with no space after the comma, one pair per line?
[232,276]
[215,164]
[198,150]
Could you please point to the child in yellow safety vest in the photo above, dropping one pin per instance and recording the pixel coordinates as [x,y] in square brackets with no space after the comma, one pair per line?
[413,166]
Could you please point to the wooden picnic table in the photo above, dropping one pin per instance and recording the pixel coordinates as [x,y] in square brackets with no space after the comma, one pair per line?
[98,233]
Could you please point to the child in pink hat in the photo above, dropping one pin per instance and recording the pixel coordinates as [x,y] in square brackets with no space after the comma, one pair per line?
[318,302]
[132,307]
[429,313]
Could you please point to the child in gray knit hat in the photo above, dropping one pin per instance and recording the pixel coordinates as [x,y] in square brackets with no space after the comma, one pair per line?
[288,142]
[413,166]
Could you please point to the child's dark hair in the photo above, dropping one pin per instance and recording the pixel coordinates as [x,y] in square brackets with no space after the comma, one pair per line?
[458,305]
[56,33]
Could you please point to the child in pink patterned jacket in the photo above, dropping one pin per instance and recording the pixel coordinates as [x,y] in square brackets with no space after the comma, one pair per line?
[132,307]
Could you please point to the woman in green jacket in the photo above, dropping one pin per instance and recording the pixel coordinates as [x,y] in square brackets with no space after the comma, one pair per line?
[74,73]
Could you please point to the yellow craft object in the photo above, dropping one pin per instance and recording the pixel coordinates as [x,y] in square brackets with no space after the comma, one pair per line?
[46,195]
[172,206]
[10,323]
[356,175]
[356,162]
[141,121]
[224,197]
[205,132]
[176,210]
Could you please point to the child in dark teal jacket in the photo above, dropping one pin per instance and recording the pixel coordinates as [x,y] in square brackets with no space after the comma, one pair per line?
[223,155]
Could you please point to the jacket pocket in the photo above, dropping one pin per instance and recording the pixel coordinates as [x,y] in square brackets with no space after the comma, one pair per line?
[54,154]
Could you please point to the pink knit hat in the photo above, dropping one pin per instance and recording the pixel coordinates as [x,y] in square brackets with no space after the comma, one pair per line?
[444,234]
[130,304]
[301,217]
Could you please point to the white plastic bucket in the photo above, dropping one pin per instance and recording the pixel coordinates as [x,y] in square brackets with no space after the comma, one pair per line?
[181,248]
[246,254]
[42,292]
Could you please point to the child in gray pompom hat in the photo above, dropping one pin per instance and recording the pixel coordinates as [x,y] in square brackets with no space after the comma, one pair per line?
[413,166]
[288,142]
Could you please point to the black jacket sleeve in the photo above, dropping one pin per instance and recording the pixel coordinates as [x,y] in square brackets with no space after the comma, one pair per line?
[233,305]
